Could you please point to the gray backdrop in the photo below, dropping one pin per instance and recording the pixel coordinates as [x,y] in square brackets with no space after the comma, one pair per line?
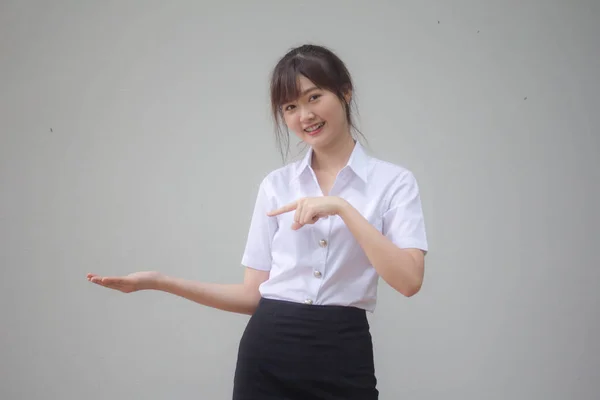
[134,135]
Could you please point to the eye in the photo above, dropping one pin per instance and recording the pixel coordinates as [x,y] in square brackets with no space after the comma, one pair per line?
[314,97]
[289,107]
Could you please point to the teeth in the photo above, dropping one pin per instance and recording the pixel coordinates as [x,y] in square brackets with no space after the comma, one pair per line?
[314,128]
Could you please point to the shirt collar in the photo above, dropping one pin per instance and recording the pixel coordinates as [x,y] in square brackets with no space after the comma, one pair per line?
[358,162]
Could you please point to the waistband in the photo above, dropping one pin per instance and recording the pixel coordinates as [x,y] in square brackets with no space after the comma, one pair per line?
[333,313]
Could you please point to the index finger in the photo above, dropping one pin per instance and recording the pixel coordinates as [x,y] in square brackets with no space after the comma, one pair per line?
[284,209]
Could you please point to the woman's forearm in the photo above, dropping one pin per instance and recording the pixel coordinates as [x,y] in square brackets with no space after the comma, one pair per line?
[238,298]
[402,269]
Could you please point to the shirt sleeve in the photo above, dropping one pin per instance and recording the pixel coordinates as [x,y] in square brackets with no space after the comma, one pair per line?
[257,253]
[403,222]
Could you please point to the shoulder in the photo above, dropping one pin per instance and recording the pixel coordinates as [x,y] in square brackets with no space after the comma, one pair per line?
[397,188]
[390,174]
[279,178]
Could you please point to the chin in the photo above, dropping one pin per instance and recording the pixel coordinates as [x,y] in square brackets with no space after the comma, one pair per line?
[316,141]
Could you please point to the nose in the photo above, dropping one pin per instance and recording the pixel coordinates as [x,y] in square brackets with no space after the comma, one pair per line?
[306,114]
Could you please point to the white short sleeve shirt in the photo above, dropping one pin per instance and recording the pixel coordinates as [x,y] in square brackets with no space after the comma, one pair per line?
[322,263]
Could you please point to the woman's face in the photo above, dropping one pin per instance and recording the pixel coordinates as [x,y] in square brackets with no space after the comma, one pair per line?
[317,117]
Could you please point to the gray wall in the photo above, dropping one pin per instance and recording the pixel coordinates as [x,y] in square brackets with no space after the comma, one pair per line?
[134,135]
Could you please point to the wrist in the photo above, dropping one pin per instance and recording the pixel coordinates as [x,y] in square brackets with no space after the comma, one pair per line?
[158,282]
[343,207]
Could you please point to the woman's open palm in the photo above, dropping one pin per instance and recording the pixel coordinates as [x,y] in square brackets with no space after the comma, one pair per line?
[126,284]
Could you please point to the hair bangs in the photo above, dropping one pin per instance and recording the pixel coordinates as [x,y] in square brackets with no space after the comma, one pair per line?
[286,87]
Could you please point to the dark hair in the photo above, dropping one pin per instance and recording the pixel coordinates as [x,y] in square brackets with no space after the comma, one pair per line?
[322,67]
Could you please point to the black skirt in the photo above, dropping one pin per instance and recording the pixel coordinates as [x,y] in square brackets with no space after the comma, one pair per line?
[294,351]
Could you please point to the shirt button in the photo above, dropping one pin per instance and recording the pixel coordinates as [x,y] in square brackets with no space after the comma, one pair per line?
[317,274]
[322,242]
[308,301]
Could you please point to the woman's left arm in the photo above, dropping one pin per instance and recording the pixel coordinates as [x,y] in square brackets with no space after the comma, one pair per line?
[401,268]
[397,252]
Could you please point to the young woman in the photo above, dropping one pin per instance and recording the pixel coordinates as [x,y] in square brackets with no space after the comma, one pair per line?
[324,229]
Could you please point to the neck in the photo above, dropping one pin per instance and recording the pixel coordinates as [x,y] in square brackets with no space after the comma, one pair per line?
[334,157]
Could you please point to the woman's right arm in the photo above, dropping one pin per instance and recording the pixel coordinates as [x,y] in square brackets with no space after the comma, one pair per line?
[240,298]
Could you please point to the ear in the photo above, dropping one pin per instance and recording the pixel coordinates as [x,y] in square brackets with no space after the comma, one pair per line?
[348,95]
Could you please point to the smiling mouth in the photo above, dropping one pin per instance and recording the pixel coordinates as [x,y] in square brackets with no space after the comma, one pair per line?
[314,128]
